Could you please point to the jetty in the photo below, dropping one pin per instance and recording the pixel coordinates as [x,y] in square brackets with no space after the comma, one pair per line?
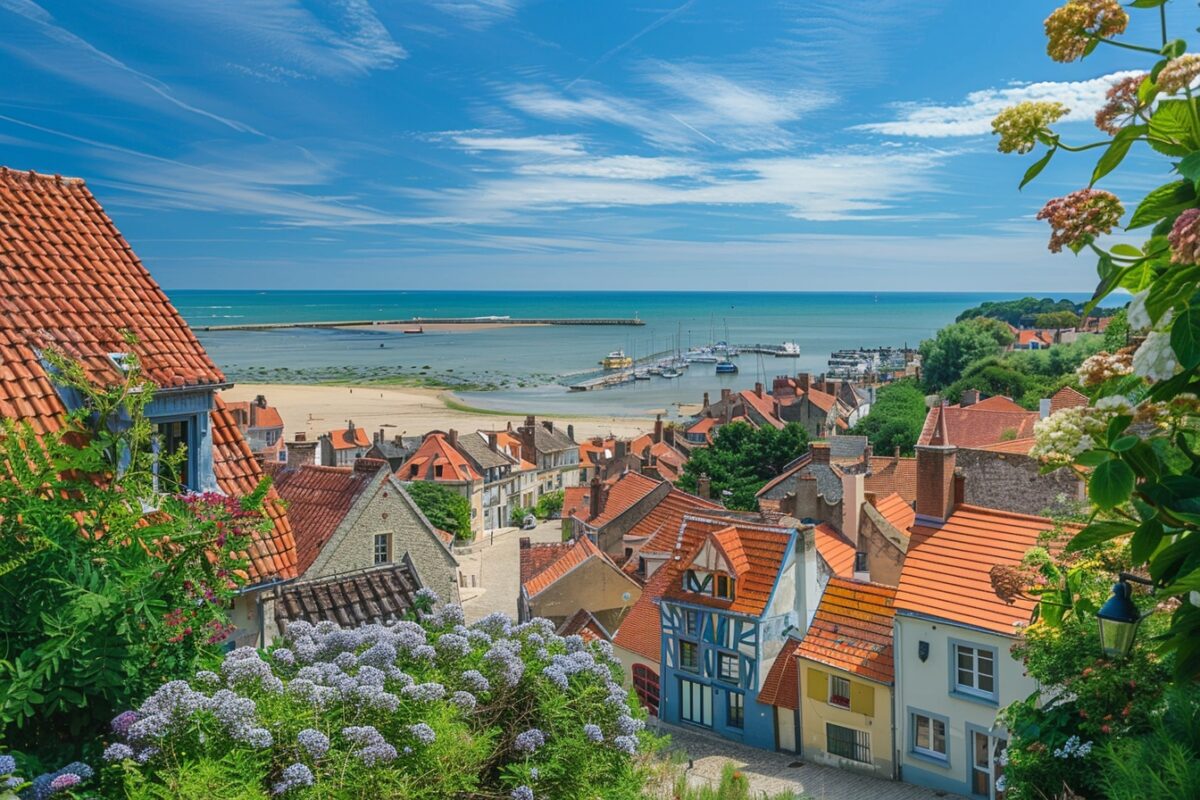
[368,323]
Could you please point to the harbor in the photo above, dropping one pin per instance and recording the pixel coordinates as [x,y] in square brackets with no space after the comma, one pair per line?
[618,369]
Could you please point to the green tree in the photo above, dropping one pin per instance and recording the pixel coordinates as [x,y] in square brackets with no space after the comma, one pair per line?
[100,601]
[1116,335]
[1056,319]
[442,506]
[549,504]
[956,346]
[742,459]
[895,419]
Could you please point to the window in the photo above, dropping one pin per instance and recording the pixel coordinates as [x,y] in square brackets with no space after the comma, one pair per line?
[727,667]
[695,702]
[839,691]
[412,471]
[437,471]
[174,440]
[689,656]
[691,622]
[860,562]
[735,709]
[848,743]
[645,684]
[383,548]
[929,736]
[975,671]
[723,587]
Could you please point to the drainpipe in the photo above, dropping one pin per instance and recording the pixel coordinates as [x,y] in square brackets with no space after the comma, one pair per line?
[895,701]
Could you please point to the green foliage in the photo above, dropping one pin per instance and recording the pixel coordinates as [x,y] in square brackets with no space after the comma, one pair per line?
[549,504]
[1056,319]
[1026,311]
[423,710]
[100,601]
[742,459]
[734,785]
[516,517]
[442,506]
[956,346]
[896,418]
[1172,746]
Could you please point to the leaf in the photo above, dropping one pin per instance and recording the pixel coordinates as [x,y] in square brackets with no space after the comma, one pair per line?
[1092,458]
[1185,335]
[1174,48]
[1178,284]
[1037,167]
[1116,151]
[1145,541]
[1189,167]
[1099,532]
[1111,484]
[1124,443]
[1146,3]
[1171,130]
[1165,201]
[1128,250]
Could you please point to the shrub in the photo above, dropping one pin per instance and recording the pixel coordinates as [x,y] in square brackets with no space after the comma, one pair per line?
[442,506]
[549,504]
[741,460]
[895,419]
[431,709]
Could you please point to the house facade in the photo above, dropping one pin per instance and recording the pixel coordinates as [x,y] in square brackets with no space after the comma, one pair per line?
[341,448]
[439,460]
[559,579]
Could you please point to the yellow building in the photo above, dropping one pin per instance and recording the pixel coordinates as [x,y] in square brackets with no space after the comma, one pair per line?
[843,668]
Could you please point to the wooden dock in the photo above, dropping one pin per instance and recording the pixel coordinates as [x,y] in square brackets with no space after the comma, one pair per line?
[369,323]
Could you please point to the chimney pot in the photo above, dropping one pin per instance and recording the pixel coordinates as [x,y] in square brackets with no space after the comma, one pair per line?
[703,486]
[820,452]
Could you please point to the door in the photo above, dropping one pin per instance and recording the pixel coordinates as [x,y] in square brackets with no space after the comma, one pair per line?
[985,764]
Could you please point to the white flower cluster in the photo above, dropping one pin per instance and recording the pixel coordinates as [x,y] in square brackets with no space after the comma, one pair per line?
[1155,359]
[1073,748]
[1063,435]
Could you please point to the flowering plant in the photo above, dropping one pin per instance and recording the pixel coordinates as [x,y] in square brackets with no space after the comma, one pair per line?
[1136,443]
[427,709]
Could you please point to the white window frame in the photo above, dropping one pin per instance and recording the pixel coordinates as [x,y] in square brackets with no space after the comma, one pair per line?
[835,682]
[915,718]
[978,655]
[384,539]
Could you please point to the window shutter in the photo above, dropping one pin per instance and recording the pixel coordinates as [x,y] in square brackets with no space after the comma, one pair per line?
[818,685]
[862,698]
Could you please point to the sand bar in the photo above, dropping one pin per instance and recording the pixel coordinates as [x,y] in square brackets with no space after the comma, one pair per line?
[442,327]
[411,412]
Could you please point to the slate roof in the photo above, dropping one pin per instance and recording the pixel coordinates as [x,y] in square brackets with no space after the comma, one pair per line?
[68,279]
[974,426]
[846,448]
[897,511]
[475,447]
[781,685]
[551,441]
[379,594]
[836,549]
[947,570]
[756,554]
[829,482]
[852,630]
[319,498]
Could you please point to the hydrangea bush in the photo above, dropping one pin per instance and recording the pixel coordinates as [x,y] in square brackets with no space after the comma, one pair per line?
[428,708]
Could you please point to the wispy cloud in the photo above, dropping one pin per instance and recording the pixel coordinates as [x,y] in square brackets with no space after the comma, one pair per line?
[540,145]
[973,116]
[611,52]
[477,14]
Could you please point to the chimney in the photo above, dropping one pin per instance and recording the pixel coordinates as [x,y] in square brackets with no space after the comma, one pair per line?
[820,452]
[803,381]
[969,397]
[658,428]
[935,474]
[260,401]
[548,425]
[758,388]
[525,543]
[378,437]
[621,449]
[571,432]
[597,441]
[597,497]
[703,486]
[853,497]
[301,437]
[493,442]
[896,453]
[1044,407]
[706,399]
[669,435]
[725,394]
[528,446]
[452,437]
[350,427]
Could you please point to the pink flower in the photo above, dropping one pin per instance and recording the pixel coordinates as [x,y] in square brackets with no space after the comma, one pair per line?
[1077,219]
[1185,238]
[1122,106]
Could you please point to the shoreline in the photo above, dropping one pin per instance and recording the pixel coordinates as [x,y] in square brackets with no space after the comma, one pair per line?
[408,411]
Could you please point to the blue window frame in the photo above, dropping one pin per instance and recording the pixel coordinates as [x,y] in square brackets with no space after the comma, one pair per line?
[178,435]
[727,667]
[689,656]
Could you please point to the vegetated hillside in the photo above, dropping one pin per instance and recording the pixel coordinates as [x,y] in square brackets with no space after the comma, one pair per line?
[1031,312]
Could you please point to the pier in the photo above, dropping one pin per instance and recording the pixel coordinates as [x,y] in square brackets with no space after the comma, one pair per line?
[368,323]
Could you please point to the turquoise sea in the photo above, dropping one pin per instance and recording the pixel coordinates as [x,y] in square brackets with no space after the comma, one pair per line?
[530,366]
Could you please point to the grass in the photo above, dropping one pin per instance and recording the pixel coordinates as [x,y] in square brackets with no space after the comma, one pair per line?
[734,785]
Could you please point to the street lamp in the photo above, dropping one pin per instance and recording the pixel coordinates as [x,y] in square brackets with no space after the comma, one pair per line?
[1119,618]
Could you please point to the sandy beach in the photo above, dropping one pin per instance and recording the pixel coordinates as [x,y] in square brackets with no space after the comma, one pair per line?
[411,412]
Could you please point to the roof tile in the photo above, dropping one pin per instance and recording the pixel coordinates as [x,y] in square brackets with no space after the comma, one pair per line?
[852,629]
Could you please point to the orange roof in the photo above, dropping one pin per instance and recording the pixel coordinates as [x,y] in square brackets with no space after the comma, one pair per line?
[349,438]
[596,451]
[897,511]
[820,399]
[575,501]
[660,526]
[319,498]
[837,551]
[755,554]
[1067,397]
[892,474]
[585,624]
[764,405]
[1028,336]
[510,444]
[998,402]
[973,426]
[852,629]
[946,571]
[623,494]
[435,451]
[780,687]
[267,417]
[702,425]
[549,563]
[1020,446]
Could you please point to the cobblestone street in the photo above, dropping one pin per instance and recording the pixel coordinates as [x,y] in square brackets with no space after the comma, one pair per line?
[496,568]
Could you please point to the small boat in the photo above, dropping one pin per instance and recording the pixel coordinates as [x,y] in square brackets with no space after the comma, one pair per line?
[789,350]
[418,329]
[655,370]
[672,373]
[726,368]
[616,360]
[641,375]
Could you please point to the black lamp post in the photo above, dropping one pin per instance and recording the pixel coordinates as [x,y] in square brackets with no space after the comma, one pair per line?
[1119,618]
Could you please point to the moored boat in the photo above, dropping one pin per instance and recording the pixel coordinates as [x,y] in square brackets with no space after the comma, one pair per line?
[726,368]
[616,360]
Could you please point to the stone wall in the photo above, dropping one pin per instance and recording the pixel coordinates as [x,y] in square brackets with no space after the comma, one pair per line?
[596,586]
[1012,482]
[884,545]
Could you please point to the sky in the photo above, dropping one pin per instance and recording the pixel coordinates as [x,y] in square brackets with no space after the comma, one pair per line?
[519,144]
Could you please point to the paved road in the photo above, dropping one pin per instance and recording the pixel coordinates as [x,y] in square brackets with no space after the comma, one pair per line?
[497,567]
[778,772]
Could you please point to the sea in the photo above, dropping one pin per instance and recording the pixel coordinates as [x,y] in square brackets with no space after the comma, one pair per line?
[528,369]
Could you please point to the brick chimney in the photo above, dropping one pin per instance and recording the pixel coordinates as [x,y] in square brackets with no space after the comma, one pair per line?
[621,450]
[935,474]
[571,432]
[493,442]
[301,437]
[524,543]
[703,486]
[527,433]
[452,437]
[820,452]
[758,388]
[706,399]
[658,428]
[969,397]
[803,381]
[669,435]
[596,497]
[725,395]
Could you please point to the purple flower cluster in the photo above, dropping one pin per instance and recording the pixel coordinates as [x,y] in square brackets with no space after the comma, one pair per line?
[521,793]
[593,732]
[453,645]
[628,725]
[8,765]
[117,752]
[464,700]
[315,743]
[626,744]
[423,733]
[371,748]
[51,783]
[476,680]
[425,692]
[293,776]
[529,741]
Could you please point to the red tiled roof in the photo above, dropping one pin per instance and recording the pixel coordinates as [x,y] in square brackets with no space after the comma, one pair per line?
[1067,397]
[547,564]
[998,402]
[268,417]
[273,553]
[820,399]
[946,571]
[764,405]
[973,426]
[435,451]
[889,475]
[852,629]
[780,687]
[897,511]
[623,494]
[349,438]
[837,551]
[318,500]
[575,501]
[660,526]
[446,536]
[1027,337]
[1020,446]
[702,425]
[538,555]
[755,553]
[585,624]
[591,452]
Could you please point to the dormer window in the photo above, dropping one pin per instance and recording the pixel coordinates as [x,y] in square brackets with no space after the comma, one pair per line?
[723,587]
[437,471]
[700,582]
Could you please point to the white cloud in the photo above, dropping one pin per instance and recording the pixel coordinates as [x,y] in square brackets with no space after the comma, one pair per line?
[617,168]
[477,14]
[973,116]
[540,145]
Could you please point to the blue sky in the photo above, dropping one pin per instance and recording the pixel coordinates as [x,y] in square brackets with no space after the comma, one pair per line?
[503,144]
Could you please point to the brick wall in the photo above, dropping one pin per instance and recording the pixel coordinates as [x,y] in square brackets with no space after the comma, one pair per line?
[1012,482]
